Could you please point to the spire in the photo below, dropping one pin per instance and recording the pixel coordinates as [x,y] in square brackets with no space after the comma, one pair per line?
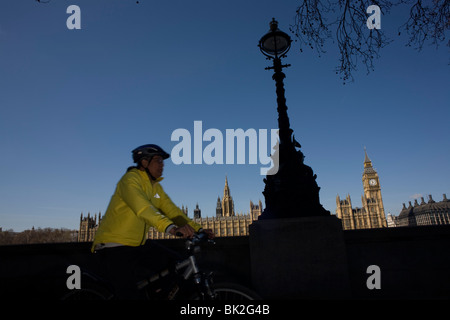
[219,203]
[367,163]
[197,212]
[219,208]
[366,158]
[227,201]
[226,190]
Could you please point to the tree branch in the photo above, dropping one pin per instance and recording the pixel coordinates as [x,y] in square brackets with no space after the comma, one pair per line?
[356,43]
[427,23]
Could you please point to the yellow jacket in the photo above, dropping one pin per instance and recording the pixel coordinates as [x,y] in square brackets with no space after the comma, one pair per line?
[135,206]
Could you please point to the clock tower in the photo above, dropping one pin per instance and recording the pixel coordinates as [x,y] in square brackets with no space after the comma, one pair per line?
[371,214]
[372,200]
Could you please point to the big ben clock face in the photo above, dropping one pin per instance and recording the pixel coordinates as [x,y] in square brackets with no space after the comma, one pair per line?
[373,182]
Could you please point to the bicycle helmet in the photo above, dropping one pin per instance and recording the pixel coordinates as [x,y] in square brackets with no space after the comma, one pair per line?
[148,151]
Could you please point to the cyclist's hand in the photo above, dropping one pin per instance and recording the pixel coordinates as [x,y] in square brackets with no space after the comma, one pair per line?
[209,233]
[185,231]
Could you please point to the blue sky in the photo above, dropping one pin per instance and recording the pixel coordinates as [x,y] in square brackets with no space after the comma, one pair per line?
[74,103]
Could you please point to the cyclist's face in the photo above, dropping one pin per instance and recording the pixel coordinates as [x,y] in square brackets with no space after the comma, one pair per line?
[156,166]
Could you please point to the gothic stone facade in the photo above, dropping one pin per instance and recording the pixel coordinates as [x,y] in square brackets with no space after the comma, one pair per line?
[225,224]
[371,215]
[423,213]
[88,227]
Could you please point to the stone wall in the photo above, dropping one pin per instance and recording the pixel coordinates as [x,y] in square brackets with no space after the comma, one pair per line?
[413,263]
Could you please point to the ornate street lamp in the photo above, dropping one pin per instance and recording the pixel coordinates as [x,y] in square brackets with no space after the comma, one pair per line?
[292,191]
[275,43]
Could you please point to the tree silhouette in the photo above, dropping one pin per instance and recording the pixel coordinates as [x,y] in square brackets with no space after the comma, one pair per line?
[46,235]
[345,22]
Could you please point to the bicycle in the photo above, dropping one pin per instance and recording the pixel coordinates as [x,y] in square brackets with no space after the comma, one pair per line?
[188,282]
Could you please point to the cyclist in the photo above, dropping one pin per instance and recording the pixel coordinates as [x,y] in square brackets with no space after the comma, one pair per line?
[138,203]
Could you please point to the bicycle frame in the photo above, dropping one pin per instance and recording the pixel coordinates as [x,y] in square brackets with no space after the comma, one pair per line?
[184,270]
[191,270]
[191,265]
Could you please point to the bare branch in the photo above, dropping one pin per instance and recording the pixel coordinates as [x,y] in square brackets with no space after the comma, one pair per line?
[311,27]
[316,20]
[427,23]
[355,41]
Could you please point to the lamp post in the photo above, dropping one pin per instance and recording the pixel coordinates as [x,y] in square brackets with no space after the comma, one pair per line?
[292,191]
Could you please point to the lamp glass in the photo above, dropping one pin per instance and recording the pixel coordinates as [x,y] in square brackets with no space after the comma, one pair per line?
[275,43]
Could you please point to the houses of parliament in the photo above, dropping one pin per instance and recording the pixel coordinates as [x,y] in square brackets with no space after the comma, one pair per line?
[371,215]
[225,223]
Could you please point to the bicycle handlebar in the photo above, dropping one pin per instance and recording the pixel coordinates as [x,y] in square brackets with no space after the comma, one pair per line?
[201,237]
[196,239]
